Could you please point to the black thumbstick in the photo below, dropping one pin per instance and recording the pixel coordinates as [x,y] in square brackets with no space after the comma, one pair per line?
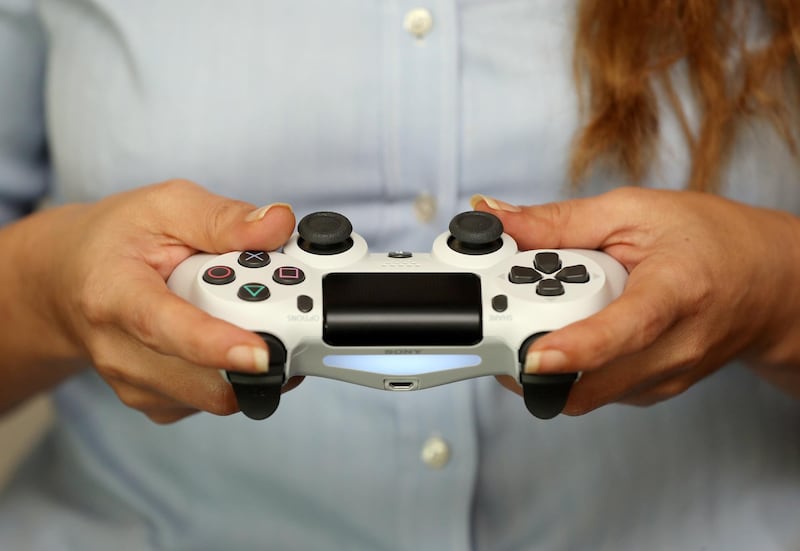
[325,233]
[475,232]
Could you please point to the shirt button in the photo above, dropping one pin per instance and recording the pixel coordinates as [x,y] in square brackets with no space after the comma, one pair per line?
[418,22]
[425,207]
[435,452]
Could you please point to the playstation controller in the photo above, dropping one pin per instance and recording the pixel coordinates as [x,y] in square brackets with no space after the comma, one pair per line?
[400,321]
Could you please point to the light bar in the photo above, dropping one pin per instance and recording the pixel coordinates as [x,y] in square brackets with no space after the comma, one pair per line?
[402,364]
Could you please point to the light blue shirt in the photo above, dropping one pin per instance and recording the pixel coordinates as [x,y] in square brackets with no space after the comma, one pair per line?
[334,105]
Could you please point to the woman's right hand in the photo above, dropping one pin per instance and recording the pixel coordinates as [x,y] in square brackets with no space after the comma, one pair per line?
[101,283]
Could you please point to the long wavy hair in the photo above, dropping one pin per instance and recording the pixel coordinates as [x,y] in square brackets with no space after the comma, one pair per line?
[626,49]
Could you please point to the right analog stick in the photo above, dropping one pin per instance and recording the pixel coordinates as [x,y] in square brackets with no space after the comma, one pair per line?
[475,233]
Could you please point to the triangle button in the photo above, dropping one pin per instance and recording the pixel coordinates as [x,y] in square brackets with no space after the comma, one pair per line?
[253,292]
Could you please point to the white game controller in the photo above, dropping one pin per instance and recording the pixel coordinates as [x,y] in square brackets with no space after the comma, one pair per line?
[400,321]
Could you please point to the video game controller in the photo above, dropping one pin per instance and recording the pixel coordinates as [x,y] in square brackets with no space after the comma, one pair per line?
[400,321]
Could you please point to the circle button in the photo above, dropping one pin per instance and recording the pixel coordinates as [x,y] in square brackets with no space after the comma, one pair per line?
[219,275]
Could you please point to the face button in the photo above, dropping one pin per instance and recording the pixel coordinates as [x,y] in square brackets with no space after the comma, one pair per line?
[573,274]
[219,275]
[547,262]
[254,259]
[288,275]
[550,288]
[305,303]
[523,274]
[253,292]
[499,303]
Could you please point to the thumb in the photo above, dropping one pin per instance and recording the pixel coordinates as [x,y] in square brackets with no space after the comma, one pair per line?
[215,224]
[586,223]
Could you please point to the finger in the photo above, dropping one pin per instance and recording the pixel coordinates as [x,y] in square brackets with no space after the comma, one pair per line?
[140,399]
[292,383]
[144,308]
[158,408]
[582,223]
[673,363]
[601,222]
[600,388]
[139,390]
[145,379]
[509,383]
[668,387]
[658,393]
[647,308]
[169,416]
[611,385]
[215,224]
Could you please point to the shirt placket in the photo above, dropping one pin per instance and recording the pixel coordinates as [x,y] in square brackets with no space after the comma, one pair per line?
[421,103]
[421,144]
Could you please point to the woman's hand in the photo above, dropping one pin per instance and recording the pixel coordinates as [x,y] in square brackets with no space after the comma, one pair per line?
[710,280]
[101,276]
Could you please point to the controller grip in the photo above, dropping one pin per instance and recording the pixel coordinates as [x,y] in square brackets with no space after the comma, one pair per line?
[545,395]
[257,395]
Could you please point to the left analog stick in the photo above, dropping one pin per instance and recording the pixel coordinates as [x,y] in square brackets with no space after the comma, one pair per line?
[325,233]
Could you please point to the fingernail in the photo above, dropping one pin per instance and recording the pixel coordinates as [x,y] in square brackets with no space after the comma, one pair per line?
[546,361]
[494,204]
[258,214]
[249,358]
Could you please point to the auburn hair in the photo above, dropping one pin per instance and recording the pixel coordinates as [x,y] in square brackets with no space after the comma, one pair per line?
[626,49]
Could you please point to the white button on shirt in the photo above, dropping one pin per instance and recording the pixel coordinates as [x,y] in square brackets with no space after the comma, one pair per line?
[425,207]
[435,452]
[418,22]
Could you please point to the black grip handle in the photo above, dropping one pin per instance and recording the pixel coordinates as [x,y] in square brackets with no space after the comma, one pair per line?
[259,395]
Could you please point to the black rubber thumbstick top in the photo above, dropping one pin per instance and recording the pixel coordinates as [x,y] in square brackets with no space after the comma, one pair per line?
[475,232]
[325,233]
[324,228]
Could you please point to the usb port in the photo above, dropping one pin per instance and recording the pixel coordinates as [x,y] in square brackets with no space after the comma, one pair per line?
[404,384]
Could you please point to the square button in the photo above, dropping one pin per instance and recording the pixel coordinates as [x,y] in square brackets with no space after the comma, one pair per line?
[288,275]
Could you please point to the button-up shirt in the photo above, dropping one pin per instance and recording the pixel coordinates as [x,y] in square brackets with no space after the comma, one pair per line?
[393,113]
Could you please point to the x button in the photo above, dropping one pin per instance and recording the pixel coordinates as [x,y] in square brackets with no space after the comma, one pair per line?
[254,259]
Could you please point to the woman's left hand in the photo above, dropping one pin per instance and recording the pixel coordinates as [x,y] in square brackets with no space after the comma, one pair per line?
[710,280]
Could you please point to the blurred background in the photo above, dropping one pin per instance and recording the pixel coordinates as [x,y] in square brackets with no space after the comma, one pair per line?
[19,430]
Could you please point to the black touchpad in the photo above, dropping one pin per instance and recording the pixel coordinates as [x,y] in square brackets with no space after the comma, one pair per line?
[397,309]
